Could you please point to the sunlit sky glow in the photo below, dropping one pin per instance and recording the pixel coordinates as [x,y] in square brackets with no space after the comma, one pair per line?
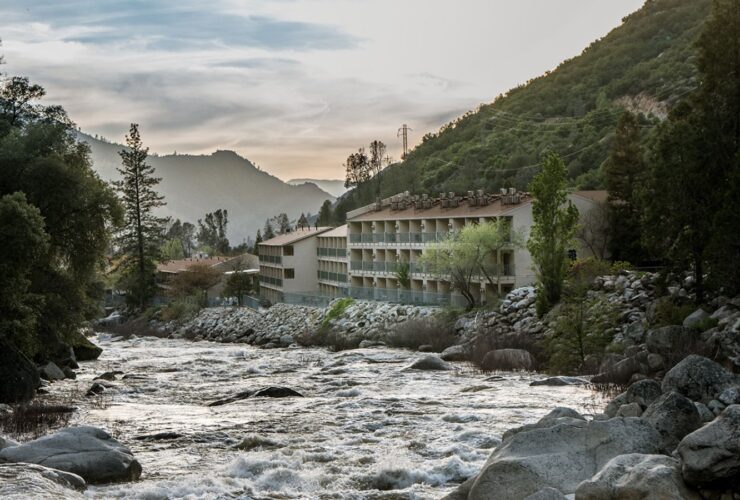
[294,85]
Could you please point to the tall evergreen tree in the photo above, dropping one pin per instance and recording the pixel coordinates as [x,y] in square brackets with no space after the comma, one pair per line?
[268,232]
[283,223]
[624,171]
[325,217]
[142,232]
[551,236]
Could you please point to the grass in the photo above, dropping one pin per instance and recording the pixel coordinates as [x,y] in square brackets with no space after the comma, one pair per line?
[35,419]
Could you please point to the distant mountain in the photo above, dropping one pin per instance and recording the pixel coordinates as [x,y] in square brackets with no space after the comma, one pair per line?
[645,65]
[196,184]
[334,187]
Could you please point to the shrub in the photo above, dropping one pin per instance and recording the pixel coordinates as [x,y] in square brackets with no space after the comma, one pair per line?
[326,337]
[669,312]
[337,310]
[180,309]
[620,266]
[34,419]
[139,327]
[414,333]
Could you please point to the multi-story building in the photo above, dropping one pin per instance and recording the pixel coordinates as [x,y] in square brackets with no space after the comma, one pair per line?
[288,264]
[394,233]
[332,255]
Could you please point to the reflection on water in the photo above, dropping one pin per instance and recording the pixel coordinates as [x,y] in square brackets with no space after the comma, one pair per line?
[366,428]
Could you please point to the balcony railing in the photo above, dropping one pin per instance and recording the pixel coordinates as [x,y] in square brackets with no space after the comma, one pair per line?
[331,252]
[271,259]
[271,281]
[335,277]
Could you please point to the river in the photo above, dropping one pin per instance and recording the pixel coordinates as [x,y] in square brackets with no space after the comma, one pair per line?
[367,428]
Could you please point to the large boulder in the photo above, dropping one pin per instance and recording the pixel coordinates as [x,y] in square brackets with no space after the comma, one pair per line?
[673,416]
[50,371]
[560,415]
[86,451]
[23,481]
[696,319]
[710,456]
[620,373]
[560,457]
[643,392]
[429,363]
[560,381]
[84,349]
[634,476]
[697,378]
[455,353]
[664,340]
[547,494]
[508,359]
[19,378]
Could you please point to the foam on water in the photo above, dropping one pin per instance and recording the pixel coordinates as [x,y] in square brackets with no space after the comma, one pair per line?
[364,429]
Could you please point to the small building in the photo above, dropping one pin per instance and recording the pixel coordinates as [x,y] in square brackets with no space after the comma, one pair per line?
[332,255]
[289,264]
[247,263]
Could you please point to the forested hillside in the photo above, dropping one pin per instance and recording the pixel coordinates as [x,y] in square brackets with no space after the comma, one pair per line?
[647,64]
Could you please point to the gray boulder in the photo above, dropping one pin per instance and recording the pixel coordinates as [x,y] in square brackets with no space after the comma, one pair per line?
[673,416]
[560,457]
[710,456]
[637,476]
[455,353]
[86,451]
[704,412]
[23,481]
[560,381]
[508,359]
[629,410]
[620,373]
[19,377]
[50,371]
[615,404]
[547,494]
[697,378]
[644,392]
[730,396]
[559,415]
[429,363]
[7,443]
[664,340]
[696,318]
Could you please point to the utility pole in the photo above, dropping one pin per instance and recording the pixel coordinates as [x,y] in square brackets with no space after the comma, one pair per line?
[404,132]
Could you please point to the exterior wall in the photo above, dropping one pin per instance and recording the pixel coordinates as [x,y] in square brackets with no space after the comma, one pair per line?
[332,271]
[275,281]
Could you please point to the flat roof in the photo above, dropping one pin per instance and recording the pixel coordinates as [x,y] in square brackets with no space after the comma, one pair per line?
[180,265]
[294,236]
[337,232]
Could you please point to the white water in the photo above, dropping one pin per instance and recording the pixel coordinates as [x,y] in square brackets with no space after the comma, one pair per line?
[366,428]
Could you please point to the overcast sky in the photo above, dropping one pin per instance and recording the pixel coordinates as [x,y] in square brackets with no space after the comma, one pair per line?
[294,85]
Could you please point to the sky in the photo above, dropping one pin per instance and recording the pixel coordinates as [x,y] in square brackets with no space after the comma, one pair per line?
[293,85]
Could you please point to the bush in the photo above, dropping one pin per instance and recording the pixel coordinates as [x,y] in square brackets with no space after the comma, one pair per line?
[139,327]
[326,337]
[337,310]
[414,333]
[669,312]
[34,419]
[180,309]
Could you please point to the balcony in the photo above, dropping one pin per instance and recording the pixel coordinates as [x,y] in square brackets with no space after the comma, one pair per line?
[332,252]
[271,259]
[271,281]
[334,277]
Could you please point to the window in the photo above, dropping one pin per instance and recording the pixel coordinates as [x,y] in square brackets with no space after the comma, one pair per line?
[288,251]
[289,274]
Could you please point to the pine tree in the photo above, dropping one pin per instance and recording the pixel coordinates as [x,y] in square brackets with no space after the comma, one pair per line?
[325,217]
[257,240]
[142,233]
[552,233]
[283,223]
[625,171]
[268,233]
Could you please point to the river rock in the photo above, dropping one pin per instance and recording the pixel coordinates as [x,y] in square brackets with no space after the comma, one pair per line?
[547,494]
[86,451]
[455,353]
[673,416]
[730,396]
[429,363]
[19,378]
[696,319]
[560,457]
[635,476]
[559,415]
[508,359]
[644,392]
[83,348]
[704,412]
[266,392]
[25,481]
[560,381]
[697,378]
[629,410]
[664,340]
[710,456]
[7,443]
[50,371]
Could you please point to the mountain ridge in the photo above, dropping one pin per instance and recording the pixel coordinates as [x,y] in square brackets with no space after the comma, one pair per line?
[196,184]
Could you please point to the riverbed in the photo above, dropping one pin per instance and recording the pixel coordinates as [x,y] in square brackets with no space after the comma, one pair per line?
[366,428]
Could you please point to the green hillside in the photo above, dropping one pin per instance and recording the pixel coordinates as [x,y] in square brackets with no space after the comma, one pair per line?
[646,65]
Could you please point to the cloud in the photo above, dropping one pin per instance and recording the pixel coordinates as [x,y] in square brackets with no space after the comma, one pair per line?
[177,26]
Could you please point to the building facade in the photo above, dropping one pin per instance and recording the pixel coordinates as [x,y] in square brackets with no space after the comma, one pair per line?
[387,239]
[289,264]
[333,274]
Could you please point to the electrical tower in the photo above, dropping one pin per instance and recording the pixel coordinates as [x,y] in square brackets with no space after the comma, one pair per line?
[404,132]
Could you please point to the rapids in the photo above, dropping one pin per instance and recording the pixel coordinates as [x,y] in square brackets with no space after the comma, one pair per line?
[365,428]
